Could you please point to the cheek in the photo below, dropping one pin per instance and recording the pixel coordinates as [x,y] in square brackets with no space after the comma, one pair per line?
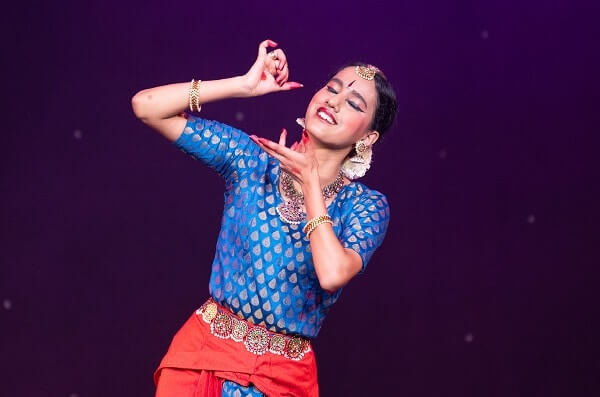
[313,101]
[356,122]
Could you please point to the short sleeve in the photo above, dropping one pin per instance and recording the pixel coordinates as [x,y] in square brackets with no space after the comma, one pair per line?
[365,224]
[223,148]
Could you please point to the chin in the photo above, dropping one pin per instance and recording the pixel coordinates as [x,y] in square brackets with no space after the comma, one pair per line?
[314,127]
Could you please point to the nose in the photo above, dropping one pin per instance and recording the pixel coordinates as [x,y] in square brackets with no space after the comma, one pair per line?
[334,101]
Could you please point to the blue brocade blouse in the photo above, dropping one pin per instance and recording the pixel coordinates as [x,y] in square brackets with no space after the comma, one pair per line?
[263,269]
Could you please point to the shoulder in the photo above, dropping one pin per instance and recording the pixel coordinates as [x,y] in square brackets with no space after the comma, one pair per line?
[357,193]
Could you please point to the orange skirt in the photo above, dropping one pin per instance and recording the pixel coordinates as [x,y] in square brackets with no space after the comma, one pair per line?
[212,360]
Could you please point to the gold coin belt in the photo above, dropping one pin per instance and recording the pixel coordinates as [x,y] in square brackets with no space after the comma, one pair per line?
[256,339]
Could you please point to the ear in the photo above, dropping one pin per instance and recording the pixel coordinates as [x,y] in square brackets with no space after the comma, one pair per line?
[371,137]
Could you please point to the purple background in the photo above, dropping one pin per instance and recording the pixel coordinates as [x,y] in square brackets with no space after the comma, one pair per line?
[486,284]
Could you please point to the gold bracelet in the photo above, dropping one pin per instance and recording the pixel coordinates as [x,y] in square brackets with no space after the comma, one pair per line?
[195,95]
[313,223]
[312,229]
[313,220]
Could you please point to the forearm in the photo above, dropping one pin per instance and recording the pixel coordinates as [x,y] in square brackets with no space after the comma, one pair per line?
[333,264]
[166,101]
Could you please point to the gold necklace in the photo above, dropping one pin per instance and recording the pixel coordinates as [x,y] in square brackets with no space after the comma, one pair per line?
[290,211]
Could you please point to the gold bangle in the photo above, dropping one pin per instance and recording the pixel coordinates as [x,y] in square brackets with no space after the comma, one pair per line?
[313,220]
[313,223]
[195,95]
[312,229]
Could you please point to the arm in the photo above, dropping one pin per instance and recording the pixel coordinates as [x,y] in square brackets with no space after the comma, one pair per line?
[161,107]
[334,264]
[336,260]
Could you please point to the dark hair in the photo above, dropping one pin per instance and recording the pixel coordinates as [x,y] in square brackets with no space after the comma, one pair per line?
[387,105]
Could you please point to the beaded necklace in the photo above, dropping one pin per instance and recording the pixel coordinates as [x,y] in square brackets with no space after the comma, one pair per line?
[290,211]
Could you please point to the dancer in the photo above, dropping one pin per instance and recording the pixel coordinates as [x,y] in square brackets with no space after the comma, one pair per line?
[296,226]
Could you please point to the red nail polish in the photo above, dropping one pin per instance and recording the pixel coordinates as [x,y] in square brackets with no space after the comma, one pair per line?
[263,76]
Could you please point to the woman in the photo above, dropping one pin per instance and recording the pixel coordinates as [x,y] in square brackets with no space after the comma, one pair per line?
[295,227]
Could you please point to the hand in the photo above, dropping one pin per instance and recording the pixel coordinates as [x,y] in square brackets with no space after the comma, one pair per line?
[298,160]
[268,74]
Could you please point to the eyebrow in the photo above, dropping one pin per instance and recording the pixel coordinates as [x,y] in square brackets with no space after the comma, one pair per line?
[356,93]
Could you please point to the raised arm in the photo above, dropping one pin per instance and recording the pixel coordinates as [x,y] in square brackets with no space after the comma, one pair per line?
[161,107]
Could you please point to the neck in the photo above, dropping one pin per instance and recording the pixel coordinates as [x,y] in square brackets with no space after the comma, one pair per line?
[330,162]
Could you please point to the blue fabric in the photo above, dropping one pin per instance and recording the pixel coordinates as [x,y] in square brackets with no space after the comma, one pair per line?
[263,269]
[232,389]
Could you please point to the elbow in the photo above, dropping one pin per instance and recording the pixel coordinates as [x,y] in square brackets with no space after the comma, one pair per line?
[331,282]
[137,105]
[337,273]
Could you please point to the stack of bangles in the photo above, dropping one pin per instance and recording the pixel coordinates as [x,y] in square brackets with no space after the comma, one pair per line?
[195,95]
[313,223]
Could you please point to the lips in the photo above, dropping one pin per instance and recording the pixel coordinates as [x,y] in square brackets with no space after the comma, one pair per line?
[325,115]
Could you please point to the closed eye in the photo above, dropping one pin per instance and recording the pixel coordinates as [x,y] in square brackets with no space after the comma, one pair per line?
[355,106]
[352,104]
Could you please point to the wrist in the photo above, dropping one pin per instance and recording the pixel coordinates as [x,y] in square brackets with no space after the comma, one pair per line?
[243,89]
[311,185]
[311,182]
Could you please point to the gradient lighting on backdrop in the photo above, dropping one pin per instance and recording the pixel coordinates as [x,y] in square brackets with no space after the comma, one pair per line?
[485,285]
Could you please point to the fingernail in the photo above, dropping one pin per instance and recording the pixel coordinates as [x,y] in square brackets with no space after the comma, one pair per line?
[294,84]
[283,131]
[263,76]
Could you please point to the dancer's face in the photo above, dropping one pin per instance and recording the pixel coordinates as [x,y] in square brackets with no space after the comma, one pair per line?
[340,113]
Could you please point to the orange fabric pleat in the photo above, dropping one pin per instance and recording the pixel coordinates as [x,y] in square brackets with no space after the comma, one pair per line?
[195,348]
[188,383]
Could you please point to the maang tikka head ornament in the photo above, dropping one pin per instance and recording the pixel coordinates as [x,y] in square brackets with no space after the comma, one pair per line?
[367,72]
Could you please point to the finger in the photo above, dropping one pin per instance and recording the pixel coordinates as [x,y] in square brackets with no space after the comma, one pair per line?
[272,153]
[271,68]
[258,66]
[282,136]
[290,85]
[262,47]
[294,146]
[282,76]
[281,150]
[282,58]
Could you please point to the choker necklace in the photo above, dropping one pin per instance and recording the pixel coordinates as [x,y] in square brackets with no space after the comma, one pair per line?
[290,211]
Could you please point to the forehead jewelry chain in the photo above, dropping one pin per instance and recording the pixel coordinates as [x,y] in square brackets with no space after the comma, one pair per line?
[290,211]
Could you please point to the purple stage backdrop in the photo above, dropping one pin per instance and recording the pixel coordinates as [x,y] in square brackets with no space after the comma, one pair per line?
[487,282]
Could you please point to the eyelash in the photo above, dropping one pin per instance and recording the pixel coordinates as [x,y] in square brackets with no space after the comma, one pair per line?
[352,104]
